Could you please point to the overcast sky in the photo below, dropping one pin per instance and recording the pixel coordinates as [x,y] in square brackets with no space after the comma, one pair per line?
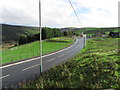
[58,13]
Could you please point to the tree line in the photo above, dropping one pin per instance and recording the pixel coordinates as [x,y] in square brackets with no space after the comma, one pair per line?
[47,33]
[114,34]
[69,33]
[50,33]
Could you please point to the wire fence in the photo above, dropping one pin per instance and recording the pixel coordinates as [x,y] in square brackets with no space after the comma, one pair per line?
[19,56]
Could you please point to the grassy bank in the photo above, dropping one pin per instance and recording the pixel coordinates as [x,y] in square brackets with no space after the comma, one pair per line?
[33,49]
[97,66]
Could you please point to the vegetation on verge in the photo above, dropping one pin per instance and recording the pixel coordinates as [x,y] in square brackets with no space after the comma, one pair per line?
[97,66]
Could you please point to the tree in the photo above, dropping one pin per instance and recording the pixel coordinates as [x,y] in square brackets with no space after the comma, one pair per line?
[65,33]
[22,40]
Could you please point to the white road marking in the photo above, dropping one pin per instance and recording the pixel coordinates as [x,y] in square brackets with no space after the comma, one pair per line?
[37,57]
[4,76]
[77,46]
[68,52]
[30,67]
[61,55]
[73,49]
[60,50]
[19,62]
[51,60]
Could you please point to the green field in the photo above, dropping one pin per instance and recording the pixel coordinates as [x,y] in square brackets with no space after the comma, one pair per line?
[96,66]
[33,49]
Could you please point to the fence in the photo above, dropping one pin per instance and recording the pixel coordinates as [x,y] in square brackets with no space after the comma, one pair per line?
[10,56]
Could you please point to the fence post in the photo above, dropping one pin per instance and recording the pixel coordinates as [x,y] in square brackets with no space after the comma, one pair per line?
[11,58]
[33,53]
[84,40]
[20,56]
[27,54]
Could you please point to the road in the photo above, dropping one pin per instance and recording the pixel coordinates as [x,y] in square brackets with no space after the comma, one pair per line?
[14,73]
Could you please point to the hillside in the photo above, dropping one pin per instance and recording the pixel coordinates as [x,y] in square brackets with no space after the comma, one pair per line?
[13,32]
[90,29]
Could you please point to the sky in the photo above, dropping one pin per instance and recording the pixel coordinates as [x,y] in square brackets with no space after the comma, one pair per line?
[59,13]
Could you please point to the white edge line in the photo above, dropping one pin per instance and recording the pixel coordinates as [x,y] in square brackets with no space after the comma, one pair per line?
[60,50]
[19,62]
[30,67]
[37,57]
[4,76]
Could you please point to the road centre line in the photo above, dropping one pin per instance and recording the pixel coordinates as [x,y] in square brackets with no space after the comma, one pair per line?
[30,67]
[68,52]
[73,49]
[61,55]
[37,57]
[4,76]
[51,60]
[69,55]
[19,62]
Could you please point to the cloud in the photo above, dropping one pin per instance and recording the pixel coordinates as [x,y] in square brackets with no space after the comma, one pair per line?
[24,12]
[58,13]
[103,13]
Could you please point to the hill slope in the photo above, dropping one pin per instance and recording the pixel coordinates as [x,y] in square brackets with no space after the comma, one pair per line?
[90,29]
[13,32]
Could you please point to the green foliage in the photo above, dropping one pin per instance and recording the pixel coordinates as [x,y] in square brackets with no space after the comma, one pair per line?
[97,66]
[50,33]
[68,33]
[28,39]
[47,33]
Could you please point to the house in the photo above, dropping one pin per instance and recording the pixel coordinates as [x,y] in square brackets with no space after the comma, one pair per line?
[101,34]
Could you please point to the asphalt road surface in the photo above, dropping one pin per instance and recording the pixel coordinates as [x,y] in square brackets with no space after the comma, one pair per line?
[14,73]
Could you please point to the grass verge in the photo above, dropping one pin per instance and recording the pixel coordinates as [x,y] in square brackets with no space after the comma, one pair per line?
[33,49]
[97,66]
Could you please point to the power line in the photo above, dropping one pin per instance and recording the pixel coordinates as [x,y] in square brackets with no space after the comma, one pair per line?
[75,12]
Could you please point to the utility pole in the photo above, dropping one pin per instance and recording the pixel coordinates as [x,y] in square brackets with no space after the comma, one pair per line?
[40,28]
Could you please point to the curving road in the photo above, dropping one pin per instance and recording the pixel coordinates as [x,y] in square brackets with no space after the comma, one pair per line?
[14,73]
